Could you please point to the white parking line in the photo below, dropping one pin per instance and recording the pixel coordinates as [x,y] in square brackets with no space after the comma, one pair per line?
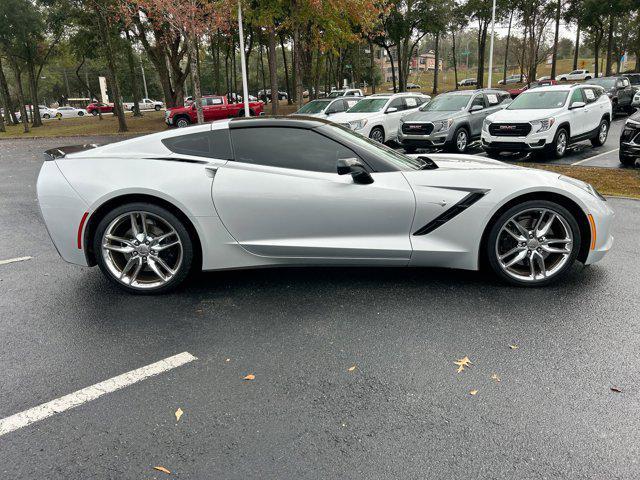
[596,156]
[12,260]
[59,405]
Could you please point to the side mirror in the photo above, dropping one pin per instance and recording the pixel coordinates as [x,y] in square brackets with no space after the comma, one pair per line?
[476,108]
[391,110]
[355,168]
[575,105]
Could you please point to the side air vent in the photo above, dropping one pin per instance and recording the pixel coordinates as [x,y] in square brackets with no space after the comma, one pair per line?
[457,209]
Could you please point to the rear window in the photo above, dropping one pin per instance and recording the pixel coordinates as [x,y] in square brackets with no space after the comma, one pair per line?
[214,144]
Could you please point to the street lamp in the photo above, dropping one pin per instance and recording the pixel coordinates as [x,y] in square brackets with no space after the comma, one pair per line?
[493,32]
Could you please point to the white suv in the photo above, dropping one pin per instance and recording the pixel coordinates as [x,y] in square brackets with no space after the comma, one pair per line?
[548,119]
[378,116]
[575,75]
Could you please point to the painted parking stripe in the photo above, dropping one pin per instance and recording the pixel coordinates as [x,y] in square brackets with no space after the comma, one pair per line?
[13,260]
[59,405]
[595,156]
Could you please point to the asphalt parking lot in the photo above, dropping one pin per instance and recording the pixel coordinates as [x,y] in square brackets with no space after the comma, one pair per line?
[544,362]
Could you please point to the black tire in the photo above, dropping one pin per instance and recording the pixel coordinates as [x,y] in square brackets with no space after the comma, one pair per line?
[490,254]
[553,149]
[377,134]
[627,161]
[587,78]
[94,112]
[46,116]
[156,108]
[598,140]
[459,145]
[81,114]
[186,264]
[410,149]
[182,122]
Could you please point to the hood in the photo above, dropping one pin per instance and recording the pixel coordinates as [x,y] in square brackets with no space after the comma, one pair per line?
[419,116]
[518,115]
[447,161]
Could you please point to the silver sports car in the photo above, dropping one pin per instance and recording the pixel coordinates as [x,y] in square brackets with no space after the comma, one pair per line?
[304,191]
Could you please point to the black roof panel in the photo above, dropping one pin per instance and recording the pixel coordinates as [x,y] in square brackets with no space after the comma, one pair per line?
[299,121]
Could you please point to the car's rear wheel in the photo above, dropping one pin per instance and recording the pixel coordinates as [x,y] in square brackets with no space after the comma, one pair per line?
[46,116]
[558,147]
[377,134]
[603,132]
[80,114]
[533,243]
[58,115]
[143,248]
[157,108]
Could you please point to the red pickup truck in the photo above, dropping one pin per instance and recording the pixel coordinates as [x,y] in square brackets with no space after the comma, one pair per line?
[213,108]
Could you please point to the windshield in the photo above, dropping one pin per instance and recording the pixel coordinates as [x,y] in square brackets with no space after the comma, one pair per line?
[607,83]
[403,162]
[447,103]
[539,100]
[634,79]
[315,106]
[336,93]
[368,105]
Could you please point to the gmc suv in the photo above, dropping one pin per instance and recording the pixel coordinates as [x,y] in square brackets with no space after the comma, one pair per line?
[549,119]
[451,120]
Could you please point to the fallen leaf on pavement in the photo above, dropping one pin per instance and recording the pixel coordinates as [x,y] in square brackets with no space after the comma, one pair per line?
[179,413]
[463,362]
[616,389]
[162,469]
[495,377]
[513,347]
[473,392]
[228,360]
[351,369]
[251,376]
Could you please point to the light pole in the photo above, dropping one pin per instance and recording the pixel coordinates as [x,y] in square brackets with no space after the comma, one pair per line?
[243,64]
[493,32]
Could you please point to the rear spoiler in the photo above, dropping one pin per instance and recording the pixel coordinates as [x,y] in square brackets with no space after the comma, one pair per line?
[61,152]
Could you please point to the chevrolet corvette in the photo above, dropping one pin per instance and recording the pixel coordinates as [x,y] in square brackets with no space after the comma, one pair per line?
[302,191]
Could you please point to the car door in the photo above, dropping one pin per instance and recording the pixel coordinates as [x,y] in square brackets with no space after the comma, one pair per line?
[626,92]
[391,120]
[282,197]
[477,117]
[594,110]
[579,117]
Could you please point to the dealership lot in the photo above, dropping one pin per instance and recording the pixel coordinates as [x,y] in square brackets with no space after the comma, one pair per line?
[402,412]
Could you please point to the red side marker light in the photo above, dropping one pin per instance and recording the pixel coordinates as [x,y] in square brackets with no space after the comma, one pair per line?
[80,228]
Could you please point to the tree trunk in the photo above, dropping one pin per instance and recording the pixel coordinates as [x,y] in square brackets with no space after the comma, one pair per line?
[393,68]
[524,49]
[20,93]
[482,42]
[33,91]
[372,66]
[195,78]
[273,70]
[263,75]
[9,114]
[286,69]
[454,57]
[610,46]
[105,36]
[506,51]
[437,60]
[554,56]
[596,46]
[234,68]
[135,87]
[297,64]
[576,49]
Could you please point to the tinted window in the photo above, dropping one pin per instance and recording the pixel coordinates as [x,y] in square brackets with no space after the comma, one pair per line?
[397,103]
[214,144]
[576,96]
[478,100]
[282,147]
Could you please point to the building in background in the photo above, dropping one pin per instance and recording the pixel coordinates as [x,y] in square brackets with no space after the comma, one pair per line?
[420,63]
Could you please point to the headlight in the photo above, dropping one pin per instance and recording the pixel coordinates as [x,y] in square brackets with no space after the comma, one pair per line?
[632,122]
[542,125]
[358,124]
[583,185]
[485,125]
[443,125]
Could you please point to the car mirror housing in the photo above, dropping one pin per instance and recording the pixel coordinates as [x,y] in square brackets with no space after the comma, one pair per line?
[575,105]
[391,110]
[476,108]
[355,168]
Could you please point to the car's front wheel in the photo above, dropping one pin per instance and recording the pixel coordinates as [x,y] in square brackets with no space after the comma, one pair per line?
[460,140]
[182,122]
[377,134]
[533,243]
[81,114]
[143,248]
[46,116]
[558,147]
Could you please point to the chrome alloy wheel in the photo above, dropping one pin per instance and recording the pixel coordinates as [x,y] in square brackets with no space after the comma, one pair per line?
[141,250]
[561,143]
[461,141]
[377,135]
[534,244]
[604,130]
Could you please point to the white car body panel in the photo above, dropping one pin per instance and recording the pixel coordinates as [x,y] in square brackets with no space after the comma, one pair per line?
[252,215]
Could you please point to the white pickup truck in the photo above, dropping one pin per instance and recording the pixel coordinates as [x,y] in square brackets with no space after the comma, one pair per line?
[145,104]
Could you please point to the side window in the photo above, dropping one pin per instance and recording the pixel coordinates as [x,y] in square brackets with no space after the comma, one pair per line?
[492,99]
[215,144]
[410,102]
[478,100]
[338,106]
[576,96]
[350,103]
[590,95]
[398,103]
[216,101]
[303,150]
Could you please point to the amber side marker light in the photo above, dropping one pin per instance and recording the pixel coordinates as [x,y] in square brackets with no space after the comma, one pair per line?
[592,224]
